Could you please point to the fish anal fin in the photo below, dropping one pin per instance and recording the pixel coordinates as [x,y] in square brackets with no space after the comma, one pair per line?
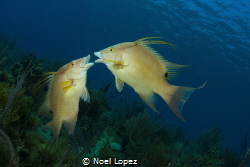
[176,96]
[70,123]
[85,95]
[149,100]
[119,84]
[55,126]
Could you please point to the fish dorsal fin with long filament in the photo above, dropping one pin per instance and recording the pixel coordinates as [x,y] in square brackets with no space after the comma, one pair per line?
[48,79]
[146,43]
[172,68]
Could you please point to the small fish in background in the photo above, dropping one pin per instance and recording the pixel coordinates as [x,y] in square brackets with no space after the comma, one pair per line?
[66,86]
[145,70]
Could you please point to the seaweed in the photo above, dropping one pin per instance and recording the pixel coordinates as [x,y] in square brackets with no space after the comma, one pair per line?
[11,105]
[107,127]
[141,127]
[230,158]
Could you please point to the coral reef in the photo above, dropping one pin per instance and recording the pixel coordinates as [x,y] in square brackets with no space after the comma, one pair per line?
[140,127]
[107,127]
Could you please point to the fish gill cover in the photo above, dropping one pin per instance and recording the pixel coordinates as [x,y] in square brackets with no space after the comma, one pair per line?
[211,36]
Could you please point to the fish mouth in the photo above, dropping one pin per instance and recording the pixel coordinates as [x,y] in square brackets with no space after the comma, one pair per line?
[85,63]
[101,57]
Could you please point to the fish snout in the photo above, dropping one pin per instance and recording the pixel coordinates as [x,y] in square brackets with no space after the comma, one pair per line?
[85,61]
[100,56]
[88,65]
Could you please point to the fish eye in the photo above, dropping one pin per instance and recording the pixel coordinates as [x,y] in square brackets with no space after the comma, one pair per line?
[71,64]
[111,49]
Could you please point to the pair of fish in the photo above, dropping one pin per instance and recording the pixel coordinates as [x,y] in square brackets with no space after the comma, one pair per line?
[133,63]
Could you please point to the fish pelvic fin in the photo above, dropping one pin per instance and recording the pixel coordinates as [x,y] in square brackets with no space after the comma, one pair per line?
[149,99]
[85,95]
[55,126]
[176,96]
[119,84]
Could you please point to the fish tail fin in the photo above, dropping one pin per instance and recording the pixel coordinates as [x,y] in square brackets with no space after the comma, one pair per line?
[70,124]
[55,126]
[176,96]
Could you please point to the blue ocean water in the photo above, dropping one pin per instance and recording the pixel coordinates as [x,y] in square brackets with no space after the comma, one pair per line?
[211,36]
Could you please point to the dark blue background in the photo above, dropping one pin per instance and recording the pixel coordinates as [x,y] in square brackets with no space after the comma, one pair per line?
[212,36]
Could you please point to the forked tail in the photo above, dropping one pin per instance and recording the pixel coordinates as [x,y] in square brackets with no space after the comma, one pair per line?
[176,96]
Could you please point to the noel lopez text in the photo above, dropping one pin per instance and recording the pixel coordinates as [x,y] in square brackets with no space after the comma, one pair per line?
[98,161]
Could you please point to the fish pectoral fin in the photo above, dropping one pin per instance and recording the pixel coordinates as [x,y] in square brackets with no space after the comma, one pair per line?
[148,99]
[119,84]
[85,95]
[119,65]
[68,88]
[70,124]
[68,85]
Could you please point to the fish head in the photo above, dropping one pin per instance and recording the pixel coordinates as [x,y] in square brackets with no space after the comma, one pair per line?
[113,56]
[76,69]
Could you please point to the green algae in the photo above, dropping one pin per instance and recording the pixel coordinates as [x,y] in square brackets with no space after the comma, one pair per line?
[105,129]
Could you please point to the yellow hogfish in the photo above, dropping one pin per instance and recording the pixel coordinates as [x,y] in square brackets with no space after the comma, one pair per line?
[145,70]
[66,87]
